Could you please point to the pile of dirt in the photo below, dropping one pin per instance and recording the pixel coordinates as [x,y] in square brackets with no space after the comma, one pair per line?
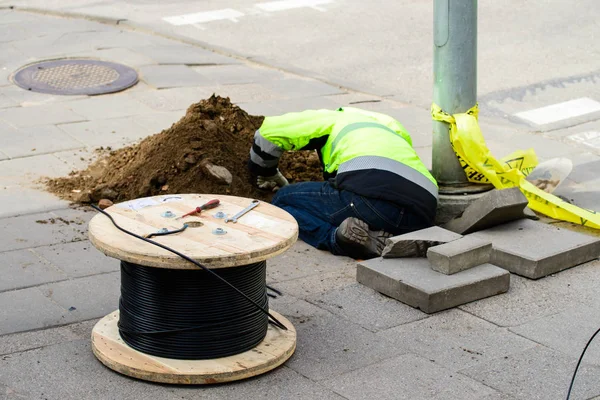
[189,157]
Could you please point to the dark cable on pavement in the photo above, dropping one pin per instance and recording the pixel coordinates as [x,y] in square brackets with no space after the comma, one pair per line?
[273,320]
[579,362]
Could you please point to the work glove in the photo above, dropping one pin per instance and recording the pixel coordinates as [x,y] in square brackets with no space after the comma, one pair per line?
[271,182]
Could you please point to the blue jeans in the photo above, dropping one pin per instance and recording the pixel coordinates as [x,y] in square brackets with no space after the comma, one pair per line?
[319,209]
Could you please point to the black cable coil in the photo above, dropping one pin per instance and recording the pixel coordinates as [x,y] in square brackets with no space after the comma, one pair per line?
[188,314]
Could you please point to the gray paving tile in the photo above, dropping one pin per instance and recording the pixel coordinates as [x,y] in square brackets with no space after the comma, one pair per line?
[357,302]
[22,341]
[27,98]
[329,345]
[173,99]
[238,74]
[6,102]
[107,132]
[311,285]
[80,158]
[49,114]
[28,141]
[544,148]
[158,121]
[577,324]
[69,371]
[34,230]
[20,200]
[168,76]
[282,383]
[585,168]
[86,298]
[174,53]
[537,373]
[456,340]
[119,55]
[77,259]
[294,88]
[297,104]
[425,154]
[3,156]
[98,108]
[23,268]
[526,300]
[247,93]
[28,309]
[407,377]
[304,260]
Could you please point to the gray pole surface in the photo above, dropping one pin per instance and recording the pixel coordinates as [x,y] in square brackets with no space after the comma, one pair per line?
[455,79]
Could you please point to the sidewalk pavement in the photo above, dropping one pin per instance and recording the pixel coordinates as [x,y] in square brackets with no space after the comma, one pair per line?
[353,343]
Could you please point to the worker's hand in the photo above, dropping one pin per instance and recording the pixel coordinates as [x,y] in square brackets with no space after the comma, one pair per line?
[271,182]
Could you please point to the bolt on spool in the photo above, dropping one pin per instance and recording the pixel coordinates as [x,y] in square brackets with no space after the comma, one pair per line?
[220,215]
[168,214]
[163,230]
[219,231]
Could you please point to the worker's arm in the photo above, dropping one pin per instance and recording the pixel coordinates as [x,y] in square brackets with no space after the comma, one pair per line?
[382,119]
[289,132]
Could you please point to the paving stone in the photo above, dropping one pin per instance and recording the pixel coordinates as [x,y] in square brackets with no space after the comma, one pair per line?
[182,54]
[48,114]
[77,259]
[425,154]
[578,324]
[413,282]
[173,99]
[494,208]
[28,309]
[357,303]
[294,88]
[528,300]
[303,260]
[168,76]
[247,92]
[22,341]
[69,371]
[86,298]
[80,158]
[319,283]
[415,244]
[237,74]
[29,141]
[23,268]
[278,107]
[457,340]
[158,121]
[7,102]
[328,345]
[3,156]
[19,200]
[107,132]
[28,170]
[407,377]
[123,55]
[25,232]
[459,255]
[99,107]
[28,98]
[537,373]
[534,249]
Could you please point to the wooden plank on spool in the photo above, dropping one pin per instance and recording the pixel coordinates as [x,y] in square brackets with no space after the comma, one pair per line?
[260,234]
[112,351]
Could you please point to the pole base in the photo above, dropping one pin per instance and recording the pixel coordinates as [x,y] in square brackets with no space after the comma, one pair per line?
[464,188]
[453,205]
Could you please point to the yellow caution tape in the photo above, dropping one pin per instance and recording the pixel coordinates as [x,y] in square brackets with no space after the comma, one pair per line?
[480,166]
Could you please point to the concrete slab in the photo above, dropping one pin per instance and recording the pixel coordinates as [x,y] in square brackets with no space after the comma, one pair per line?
[413,282]
[20,200]
[30,141]
[311,285]
[99,107]
[86,298]
[77,259]
[175,53]
[294,88]
[27,98]
[329,345]
[157,121]
[168,76]
[237,74]
[27,171]
[459,255]
[415,244]
[7,102]
[28,309]
[537,373]
[494,208]
[173,99]
[408,377]
[283,106]
[457,340]
[107,132]
[534,249]
[121,55]
[357,302]
[23,268]
[48,114]
[35,230]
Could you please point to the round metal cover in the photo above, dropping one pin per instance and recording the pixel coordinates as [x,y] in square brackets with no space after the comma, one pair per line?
[71,77]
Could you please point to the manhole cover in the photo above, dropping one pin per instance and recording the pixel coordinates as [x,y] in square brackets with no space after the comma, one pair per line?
[69,77]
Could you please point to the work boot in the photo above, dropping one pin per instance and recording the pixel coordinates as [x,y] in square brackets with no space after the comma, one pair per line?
[355,238]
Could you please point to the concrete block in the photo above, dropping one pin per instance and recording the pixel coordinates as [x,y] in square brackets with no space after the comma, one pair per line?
[49,114]
[537,373]
[168,76]
[408,377]
[459,255]
[98,107]
[494,208]
[534,249]
[34,140]
[415,244]
[413,282]
[23,268]
[182,54]
[28,309]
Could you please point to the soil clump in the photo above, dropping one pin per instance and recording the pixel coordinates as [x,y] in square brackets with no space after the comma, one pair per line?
[189,157]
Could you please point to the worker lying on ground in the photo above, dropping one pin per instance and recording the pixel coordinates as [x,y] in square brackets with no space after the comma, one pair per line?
[375,184]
